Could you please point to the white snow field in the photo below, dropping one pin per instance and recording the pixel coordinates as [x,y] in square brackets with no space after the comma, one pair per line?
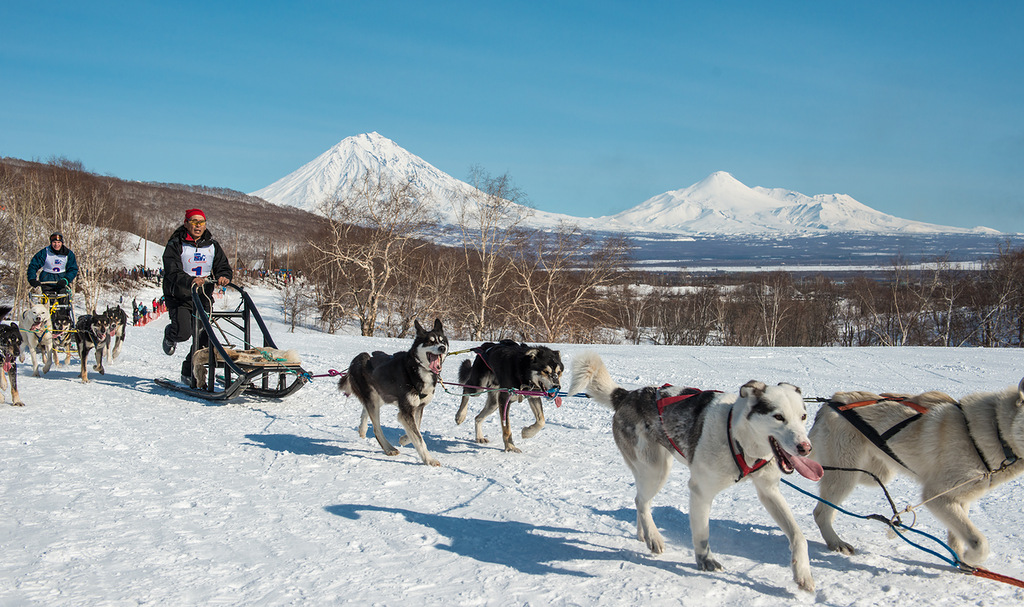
[119,492]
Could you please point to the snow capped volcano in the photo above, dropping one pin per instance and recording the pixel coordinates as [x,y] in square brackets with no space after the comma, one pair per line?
[721,204]
[339,170]
[336,172]
[718,204]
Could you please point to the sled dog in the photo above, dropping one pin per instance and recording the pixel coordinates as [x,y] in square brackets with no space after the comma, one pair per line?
[63,329]
[723,438]
[117,320]
[37,334]
[508,365]
[956,451]
[406,379]
[10,349]
[92,331]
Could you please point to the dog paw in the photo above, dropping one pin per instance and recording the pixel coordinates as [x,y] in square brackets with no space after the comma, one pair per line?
[432,462]
[460,417]
[510,448]
[530,431]
[707,563]
[804,582]
[483,440]
[841,547]
[391,452]
[403,440]
[18,404]
[655,544]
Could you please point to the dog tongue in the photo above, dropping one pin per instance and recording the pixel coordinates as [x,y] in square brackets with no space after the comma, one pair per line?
[435,364]
[808,468]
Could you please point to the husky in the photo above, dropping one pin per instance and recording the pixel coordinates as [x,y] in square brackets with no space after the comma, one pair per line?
[92,331]
[503,366]
[723,438]
[10,349]
[63,330]
[956,451]
[406,379]
[37,334]
[117,320]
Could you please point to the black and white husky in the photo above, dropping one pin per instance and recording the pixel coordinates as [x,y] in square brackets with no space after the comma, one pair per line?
[723,438]
[92,331]
[406,379]
[508,365]
[10,349]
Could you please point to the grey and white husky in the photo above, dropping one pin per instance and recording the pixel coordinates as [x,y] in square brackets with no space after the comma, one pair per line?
[956,451]
[723,438]
[406,379]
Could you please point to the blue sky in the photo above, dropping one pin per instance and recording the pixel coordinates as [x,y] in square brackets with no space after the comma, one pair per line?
[913,108]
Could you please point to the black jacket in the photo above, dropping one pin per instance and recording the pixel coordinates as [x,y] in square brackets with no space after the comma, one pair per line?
[178,283]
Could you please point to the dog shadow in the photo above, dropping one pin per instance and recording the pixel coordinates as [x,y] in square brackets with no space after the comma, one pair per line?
[523,545]
[298,445]
[733,538]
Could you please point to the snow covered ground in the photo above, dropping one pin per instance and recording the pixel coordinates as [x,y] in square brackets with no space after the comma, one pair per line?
[119,492]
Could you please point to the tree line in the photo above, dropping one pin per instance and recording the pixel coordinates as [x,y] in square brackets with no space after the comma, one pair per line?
[380,258]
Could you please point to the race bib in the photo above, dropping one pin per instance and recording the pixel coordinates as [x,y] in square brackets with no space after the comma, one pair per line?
[197,261]
[54,263]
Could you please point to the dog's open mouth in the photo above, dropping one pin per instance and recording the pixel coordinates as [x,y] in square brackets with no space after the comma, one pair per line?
[789,462]
[434,361]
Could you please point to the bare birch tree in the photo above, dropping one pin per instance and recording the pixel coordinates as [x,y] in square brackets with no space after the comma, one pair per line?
[490,217]
[370,236]
[560,276]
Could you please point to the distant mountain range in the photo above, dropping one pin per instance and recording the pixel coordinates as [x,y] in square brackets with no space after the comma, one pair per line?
[718,204]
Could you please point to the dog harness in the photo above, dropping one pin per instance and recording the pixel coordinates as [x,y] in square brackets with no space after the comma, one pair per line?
[737,454]
[880,440]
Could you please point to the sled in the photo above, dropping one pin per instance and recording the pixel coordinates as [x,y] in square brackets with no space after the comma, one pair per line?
[266,377]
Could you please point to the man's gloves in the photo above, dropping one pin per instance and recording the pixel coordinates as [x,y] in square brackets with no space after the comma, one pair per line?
[33,282]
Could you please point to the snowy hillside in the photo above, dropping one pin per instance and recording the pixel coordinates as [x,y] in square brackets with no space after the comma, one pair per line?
[720,204]
[119,492]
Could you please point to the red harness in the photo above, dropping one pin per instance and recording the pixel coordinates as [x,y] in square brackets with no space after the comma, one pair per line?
[667,401]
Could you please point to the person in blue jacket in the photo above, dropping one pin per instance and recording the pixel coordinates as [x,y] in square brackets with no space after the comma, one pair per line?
[53,268]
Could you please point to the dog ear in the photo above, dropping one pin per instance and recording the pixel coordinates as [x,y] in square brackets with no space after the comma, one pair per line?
[1020,393]
[418,326]
[437,325]
[785,384]
[752,387]
[532,353]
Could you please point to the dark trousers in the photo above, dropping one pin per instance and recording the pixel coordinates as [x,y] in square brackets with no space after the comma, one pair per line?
[179,329]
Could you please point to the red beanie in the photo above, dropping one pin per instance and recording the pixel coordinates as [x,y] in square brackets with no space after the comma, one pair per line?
[189,214]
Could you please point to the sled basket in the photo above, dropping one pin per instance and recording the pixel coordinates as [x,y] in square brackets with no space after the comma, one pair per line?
[266,376]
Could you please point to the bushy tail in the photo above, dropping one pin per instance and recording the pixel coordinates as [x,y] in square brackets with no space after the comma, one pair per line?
[589,375]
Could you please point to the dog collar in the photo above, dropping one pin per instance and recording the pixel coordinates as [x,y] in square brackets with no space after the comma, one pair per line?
[737,454]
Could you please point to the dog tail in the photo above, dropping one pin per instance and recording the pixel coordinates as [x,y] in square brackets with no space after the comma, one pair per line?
[589,375]
[464,369]
[356,381]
